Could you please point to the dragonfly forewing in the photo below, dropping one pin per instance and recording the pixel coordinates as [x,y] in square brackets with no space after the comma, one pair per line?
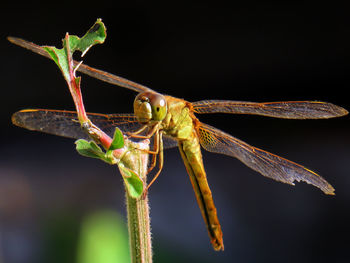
[66,124]
[60,123]
[90,71]
[282,109]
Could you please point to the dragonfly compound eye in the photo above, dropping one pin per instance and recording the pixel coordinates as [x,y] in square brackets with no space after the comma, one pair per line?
[150,106]
[142,108]
[159,107]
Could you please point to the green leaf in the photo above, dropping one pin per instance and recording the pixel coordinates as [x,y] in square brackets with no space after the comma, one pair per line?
[92,150]
[95,35]
[118,140]
[89,149]
[60,58]
[132,181]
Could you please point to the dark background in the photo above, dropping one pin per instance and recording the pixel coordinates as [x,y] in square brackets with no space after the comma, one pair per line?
[256,52]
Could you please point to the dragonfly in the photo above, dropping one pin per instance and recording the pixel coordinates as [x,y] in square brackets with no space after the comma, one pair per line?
[172,122]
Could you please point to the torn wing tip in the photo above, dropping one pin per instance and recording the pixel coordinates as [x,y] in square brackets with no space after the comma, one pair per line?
[329,190]
[343,112]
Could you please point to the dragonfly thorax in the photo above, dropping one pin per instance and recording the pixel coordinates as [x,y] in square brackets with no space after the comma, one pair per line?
[150,106]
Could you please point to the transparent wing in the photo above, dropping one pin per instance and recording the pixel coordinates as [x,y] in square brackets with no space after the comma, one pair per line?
[282,109]
[95,73]
[66,124]
[267,164]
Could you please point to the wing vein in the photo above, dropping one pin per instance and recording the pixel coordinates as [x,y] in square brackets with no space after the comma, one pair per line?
[268,164]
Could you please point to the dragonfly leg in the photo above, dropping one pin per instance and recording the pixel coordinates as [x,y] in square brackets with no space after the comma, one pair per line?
[135,133]
[160,160]
[155,152]
[155,149]
[149,134]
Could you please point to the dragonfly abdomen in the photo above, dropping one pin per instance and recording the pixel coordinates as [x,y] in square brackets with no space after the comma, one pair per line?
[180,124]
[192,157]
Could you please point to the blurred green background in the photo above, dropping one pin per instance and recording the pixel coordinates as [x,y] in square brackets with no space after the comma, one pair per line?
[57,206]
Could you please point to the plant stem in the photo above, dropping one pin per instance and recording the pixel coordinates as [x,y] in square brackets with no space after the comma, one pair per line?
[139,230]
[138,219]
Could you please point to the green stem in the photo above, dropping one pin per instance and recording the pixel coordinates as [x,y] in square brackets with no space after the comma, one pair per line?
[139,230]
[138,218]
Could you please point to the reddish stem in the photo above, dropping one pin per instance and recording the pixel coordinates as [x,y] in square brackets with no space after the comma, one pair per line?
[74,86]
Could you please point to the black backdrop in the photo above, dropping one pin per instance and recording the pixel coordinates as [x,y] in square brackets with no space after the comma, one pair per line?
[257,52]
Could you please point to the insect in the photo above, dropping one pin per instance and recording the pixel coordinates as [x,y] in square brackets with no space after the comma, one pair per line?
[171,122]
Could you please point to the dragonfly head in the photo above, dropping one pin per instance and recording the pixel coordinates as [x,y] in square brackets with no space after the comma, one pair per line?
[150,106]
